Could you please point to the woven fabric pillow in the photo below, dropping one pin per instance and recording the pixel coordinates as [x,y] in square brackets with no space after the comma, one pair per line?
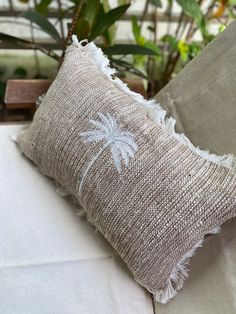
[148,190]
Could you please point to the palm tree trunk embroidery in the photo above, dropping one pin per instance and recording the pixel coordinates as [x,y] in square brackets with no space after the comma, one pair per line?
[121,143]
[92,161]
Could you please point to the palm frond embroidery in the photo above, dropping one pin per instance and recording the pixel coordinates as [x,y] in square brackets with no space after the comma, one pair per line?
[120,142]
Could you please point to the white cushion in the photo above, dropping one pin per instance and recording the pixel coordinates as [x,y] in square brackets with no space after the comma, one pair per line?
[51,260]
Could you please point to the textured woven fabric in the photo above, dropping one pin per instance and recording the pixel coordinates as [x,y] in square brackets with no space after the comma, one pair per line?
[150,195]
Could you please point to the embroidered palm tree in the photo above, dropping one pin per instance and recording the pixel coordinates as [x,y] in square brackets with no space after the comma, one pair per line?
[121,143]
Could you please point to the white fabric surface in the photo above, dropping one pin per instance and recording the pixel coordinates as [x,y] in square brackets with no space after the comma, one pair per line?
[52,261]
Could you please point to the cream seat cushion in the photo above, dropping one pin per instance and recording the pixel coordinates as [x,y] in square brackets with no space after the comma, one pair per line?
[52,261]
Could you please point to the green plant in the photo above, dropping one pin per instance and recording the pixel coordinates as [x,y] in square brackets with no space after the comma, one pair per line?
[175,49]
[91,19]
[154,59]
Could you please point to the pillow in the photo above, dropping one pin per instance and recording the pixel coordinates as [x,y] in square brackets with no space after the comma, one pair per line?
[147,189]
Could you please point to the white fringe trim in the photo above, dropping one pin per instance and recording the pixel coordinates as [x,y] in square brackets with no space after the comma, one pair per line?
[177,277]
[179,273]
[155,112]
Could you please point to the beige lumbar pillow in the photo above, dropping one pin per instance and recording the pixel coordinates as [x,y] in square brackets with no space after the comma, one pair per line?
[148,190]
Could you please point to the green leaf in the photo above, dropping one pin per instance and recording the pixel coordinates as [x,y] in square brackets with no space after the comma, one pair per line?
[203,28]
[222,27]
[43,23]
[121,2]
[194,50]
[192,9]
[136,29]
[141,41]
[42,7]
[82,29]
[183,49]
[151,45]
[140,62]
[124,49]
[15,41]
[121,62]
[106,5]
[90,11]
[231,13]
[103,8]
[171,40]
[106,20]
[157,3]
[118,63]
[20,73]
[209,37]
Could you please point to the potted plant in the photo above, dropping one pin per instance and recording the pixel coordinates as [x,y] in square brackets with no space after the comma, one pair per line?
[154,60]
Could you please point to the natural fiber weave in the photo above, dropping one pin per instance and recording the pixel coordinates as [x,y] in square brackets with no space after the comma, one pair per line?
[150,195]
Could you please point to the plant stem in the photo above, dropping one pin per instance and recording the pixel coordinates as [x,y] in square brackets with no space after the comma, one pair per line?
[210,8]
[60,20]
[165,74]
[179,24]
[128,68]
[169,13]
[151,60]
[71,29]
[174,56]
[144,12]
[36,46]
[37,65]
[191,29]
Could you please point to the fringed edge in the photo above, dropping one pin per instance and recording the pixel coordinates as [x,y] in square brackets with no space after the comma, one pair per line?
[154,111]
[179,273]
[158,115]
[177,277]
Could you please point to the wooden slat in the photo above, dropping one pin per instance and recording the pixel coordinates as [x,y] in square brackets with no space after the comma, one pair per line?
[24,93]
[136,85]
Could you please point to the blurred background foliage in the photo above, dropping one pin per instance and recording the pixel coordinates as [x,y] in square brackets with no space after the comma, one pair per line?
[152,58]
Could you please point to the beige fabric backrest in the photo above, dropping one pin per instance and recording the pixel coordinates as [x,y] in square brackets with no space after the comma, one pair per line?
[202,97]
[209,121]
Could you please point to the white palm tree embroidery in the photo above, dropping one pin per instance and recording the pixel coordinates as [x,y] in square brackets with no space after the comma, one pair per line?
[121,142]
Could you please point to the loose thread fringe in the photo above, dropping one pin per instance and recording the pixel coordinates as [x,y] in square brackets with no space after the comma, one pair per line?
[179,273]
[157,114]
[177,277]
